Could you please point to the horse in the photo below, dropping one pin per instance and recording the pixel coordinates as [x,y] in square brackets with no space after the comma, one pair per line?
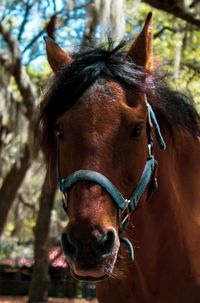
[124,149]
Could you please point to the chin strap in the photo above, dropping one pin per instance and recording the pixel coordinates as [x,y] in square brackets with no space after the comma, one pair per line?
[130,250]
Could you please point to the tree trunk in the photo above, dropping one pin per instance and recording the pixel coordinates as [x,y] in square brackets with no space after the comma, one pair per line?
[15,177]
[177,58]
[11,184]
[110,15]
[38,291]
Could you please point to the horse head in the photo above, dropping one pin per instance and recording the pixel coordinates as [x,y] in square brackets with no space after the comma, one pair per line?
[103,144]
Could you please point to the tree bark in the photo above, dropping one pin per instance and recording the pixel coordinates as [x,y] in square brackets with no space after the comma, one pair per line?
[93,20]
[11,184]
[38,291]
[16,175]
[24,84]
[110,14]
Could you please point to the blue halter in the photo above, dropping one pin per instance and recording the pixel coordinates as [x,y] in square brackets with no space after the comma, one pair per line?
[125,206]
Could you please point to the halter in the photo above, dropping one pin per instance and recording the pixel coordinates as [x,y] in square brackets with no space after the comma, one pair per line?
[125,206]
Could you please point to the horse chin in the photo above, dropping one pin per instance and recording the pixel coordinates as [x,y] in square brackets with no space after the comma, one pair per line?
[97,273]
[88,278]
[93,275]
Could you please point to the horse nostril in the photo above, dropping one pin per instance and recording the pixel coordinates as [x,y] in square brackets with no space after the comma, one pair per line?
[99,248]
[70,249]
[106,245]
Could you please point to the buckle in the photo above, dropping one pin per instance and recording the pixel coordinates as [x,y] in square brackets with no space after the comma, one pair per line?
[150,150]
[124,216]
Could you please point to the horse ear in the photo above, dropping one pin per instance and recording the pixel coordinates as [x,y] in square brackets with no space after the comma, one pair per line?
[141,49]
[56,56]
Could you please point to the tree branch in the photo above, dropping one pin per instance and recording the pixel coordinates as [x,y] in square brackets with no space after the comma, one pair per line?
[28,8]
[40,277]
[175,8]
[26,88]
[11,184]
[194,3]
[41,32]
[91,26]
[48,25]
[160,32]
[26,204]
[5,60]
[171,29]
[193,66]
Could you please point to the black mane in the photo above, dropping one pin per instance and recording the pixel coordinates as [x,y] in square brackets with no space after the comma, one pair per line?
[172,108]
[74,79]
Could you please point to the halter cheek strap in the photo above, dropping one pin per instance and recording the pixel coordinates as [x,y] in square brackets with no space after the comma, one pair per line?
[125,206]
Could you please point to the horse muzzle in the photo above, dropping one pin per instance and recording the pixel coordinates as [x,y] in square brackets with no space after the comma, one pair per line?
[91,256]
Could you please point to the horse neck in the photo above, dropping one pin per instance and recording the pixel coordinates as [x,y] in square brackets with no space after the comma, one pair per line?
[167,226]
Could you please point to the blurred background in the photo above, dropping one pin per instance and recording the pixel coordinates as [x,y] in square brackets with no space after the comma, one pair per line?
[31,215]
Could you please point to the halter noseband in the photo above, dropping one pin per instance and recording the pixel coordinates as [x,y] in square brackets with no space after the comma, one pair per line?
[125,206]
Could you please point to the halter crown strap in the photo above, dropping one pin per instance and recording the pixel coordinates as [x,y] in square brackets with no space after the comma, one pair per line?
[157,127]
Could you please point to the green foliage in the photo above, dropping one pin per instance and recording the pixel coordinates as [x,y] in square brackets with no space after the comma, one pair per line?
[176,48]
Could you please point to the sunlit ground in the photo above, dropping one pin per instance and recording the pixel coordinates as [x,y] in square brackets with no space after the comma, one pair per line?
[52,300]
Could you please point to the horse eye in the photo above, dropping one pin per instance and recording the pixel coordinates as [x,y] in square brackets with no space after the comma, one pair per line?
[58,131]
[136,132]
